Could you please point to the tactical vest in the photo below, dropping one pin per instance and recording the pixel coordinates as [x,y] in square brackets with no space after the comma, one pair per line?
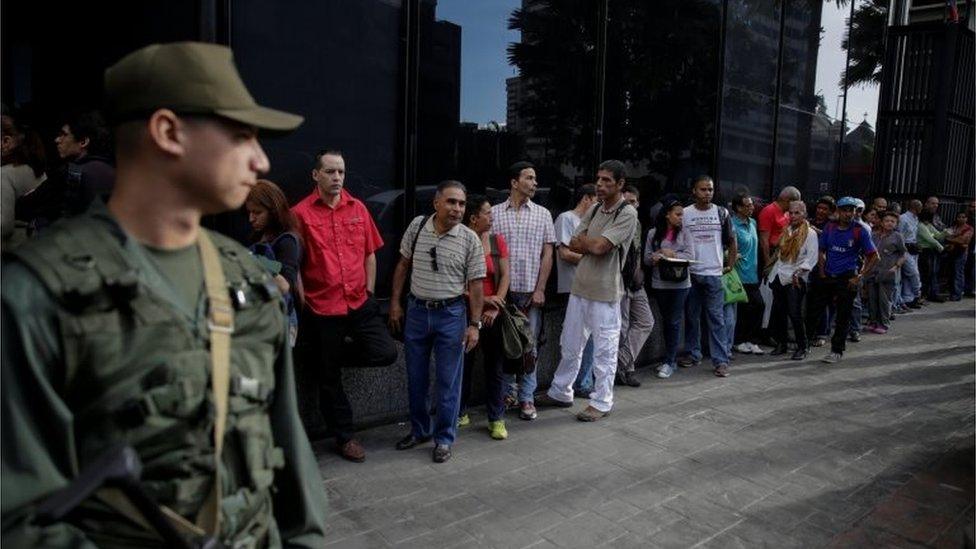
[137,370]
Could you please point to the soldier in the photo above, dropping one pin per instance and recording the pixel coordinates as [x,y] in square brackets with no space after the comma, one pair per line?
[133,324]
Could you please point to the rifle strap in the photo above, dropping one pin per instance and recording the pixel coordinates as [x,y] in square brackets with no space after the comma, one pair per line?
[221,325]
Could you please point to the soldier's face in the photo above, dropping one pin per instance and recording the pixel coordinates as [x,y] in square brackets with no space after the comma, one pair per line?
[224,160]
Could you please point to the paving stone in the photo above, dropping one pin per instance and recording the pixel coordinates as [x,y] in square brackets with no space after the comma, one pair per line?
[777,455]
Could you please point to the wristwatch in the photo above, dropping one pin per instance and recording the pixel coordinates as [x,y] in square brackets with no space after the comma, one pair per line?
[475,324]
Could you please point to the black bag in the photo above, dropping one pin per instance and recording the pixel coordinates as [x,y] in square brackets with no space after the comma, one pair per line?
[631,270]
[672,271]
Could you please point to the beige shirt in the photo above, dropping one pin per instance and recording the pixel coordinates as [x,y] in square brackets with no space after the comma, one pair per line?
[460,258]
[598,276]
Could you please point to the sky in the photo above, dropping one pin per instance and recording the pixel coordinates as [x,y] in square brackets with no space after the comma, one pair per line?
[830,65]
[484,55]
[484,60]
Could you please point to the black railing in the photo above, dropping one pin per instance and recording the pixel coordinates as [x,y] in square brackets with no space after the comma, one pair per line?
[925,119]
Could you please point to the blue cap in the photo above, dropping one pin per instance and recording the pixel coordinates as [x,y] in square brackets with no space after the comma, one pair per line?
[847,201]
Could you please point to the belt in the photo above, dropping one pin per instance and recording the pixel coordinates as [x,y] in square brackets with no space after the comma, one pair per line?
[434,304]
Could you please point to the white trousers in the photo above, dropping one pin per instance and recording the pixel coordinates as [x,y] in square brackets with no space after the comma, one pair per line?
[584,318]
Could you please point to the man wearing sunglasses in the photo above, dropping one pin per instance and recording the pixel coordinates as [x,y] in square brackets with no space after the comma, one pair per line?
[445,258]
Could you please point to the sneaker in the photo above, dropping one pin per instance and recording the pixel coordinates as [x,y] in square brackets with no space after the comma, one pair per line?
[527,411]
[590,414]
[819,342]
[756,349]
[630,379]
[722,370]
[511,402]
[688,362]
[880,330]
[800,354]
[744,348]
[917,304]
[548,401]
[442,453]
[854,337]
[869,327]
[497,429]
[665,371]
[780,349]
[464,420]
[831,358]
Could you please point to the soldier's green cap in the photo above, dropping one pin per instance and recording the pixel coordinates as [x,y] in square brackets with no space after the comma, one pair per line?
[188,78]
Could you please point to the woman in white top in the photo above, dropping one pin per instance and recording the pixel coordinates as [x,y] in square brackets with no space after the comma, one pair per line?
[798,254]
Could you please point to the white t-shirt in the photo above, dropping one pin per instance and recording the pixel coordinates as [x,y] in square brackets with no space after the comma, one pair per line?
[706,234]
[566,225]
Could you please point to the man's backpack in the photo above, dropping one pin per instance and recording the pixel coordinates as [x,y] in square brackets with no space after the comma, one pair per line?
[631,270]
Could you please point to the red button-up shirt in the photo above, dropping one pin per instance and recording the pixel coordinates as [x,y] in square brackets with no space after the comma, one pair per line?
[337,242]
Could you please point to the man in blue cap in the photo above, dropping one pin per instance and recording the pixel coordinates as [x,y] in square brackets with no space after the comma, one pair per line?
[843,243]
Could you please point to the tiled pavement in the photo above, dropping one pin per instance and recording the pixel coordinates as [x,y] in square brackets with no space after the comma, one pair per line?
[874,451]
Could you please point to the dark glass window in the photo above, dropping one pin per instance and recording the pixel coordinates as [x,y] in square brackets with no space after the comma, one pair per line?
[661,85]
[502,81]
[857,170]
[337,64]
[751,48]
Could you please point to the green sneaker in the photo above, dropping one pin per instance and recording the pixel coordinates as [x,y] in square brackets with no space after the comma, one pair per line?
[464,420]
[497,428]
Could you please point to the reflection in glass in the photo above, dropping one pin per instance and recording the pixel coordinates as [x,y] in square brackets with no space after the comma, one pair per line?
[751,48]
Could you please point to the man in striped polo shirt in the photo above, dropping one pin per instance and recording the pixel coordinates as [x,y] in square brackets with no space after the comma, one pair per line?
[444,258]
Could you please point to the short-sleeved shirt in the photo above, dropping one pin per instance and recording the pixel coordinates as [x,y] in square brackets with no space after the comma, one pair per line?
[460,258]
[566,224]
[526,230]
[598,276]
[490,267]
[772,219]
[748,243]
[705,228]
[891,248]
[337,242]
[843,247]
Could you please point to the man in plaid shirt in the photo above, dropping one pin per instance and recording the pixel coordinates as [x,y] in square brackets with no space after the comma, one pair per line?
[528,230]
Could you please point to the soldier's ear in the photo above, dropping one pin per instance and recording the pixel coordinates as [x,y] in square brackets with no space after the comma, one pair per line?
[167,132]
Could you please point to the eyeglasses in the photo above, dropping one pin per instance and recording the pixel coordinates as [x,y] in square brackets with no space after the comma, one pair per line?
[433,258]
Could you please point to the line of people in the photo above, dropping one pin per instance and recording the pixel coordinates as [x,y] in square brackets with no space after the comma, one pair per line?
[461,268]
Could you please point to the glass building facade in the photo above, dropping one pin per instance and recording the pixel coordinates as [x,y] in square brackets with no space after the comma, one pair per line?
[413,92]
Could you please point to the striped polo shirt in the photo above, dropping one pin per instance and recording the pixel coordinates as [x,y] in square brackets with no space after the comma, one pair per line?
[459,255]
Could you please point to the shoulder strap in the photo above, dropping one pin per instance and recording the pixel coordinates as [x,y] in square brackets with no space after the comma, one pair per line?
[416,235]
[496,255]
[221,326]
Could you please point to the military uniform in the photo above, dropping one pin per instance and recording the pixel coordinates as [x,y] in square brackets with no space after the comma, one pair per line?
[97,350]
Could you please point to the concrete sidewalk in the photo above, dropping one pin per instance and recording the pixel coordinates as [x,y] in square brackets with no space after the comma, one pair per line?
[780,454]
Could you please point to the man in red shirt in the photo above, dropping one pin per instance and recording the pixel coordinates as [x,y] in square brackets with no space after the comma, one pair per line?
[338,274]
[772,220]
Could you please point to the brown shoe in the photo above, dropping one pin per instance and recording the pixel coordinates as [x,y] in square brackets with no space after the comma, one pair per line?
[591,414]
[353,451]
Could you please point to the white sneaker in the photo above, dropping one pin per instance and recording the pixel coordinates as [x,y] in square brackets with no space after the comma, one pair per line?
[756,349]
[665,371]
[744,348]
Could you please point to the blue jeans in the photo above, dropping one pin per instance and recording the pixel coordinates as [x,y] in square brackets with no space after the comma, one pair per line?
[731,310]
[706,291]
[959,276]
[672,306]
[526,389]
[584,380]
[911,284]
[440,331]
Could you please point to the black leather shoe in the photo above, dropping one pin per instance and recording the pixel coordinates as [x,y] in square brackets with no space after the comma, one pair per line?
[410,441]
[442,453]
[779,350]
[800,354]
[630,379]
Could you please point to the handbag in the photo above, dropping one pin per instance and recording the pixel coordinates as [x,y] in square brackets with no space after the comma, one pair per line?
[670,270]
[732,286]
[516,339]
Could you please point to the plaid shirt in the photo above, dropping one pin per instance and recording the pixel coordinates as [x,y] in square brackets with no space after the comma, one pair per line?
[525,230]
